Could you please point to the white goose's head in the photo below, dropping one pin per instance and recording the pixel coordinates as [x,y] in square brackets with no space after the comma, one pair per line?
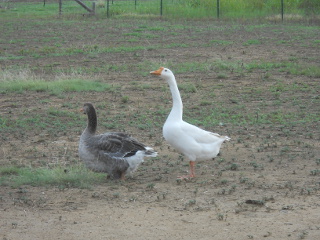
[164,73]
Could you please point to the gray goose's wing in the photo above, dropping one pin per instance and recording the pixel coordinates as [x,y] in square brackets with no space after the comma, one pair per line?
[116,145]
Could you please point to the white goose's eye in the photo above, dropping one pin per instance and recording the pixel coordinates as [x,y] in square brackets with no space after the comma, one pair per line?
[165,70]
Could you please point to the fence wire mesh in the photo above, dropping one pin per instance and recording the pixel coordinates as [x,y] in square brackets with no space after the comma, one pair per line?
[196,9]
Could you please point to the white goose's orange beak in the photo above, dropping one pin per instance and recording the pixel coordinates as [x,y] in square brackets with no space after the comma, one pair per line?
[157,72]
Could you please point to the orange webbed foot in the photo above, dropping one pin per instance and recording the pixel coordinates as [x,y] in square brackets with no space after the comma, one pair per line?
[192,172]
[186,177]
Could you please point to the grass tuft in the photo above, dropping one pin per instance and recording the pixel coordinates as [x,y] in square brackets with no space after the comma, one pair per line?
[25,80]
[75,176]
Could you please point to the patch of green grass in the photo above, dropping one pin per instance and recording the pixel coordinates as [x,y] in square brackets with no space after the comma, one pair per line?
[252,42]
[54,121]
[221,42]
[58,86]
[238,115]
[10,170]
[231,66]
[266,65]
[60,113]
[76,176]
[309,71]
[283,66]
[222,76]
[188,87]
[239,67]
[176,45]
[10,57]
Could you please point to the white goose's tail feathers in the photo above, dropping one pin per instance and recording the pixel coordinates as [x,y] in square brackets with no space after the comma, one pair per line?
[149,152]
[227,138]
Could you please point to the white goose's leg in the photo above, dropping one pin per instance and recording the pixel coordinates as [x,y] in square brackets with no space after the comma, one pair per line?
[192,171]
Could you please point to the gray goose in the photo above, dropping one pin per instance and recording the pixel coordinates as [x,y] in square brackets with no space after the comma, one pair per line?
[114,153]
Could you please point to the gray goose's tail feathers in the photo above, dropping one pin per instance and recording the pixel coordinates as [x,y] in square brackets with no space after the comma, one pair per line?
[150,152]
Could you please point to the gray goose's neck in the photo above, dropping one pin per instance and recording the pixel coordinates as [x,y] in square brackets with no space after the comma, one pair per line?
[92,121]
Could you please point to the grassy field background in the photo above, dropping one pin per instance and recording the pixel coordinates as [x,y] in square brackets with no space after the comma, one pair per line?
[254,79]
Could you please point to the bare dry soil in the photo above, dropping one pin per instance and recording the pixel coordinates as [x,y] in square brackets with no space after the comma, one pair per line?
[264,185]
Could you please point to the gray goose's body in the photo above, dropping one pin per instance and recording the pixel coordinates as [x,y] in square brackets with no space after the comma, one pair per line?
[114,153]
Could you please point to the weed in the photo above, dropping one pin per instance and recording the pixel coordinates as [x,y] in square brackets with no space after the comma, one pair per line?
[220,217]
[150,186]
[256,166]
[125,99]
[224,181]
[220,160]
[191,202]
[315,172]
[303,235]
[116,195]
[250,183]
[233,167]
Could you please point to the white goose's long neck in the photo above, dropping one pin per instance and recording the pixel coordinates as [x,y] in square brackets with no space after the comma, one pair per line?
[177,106]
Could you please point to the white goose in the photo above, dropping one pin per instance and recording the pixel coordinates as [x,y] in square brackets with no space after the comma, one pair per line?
[115,153]
[193,142]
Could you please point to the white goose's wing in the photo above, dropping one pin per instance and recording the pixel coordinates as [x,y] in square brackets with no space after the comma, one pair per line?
[200,135]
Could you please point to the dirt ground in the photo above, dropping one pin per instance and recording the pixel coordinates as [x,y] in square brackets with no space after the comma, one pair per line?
[264,185]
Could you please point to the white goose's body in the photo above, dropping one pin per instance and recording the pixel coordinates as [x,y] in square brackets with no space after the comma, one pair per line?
[193,142]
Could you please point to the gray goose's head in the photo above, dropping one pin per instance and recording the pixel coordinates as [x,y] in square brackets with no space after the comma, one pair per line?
[89,109]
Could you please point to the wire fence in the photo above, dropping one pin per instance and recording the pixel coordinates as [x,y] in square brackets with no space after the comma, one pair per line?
[273,10]
[196,9]
[227,8]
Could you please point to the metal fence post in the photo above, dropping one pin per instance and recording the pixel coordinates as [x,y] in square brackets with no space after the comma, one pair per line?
[107,8]
[93,8]
[160,7]
[60,7]
[218,8]
[282,10]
